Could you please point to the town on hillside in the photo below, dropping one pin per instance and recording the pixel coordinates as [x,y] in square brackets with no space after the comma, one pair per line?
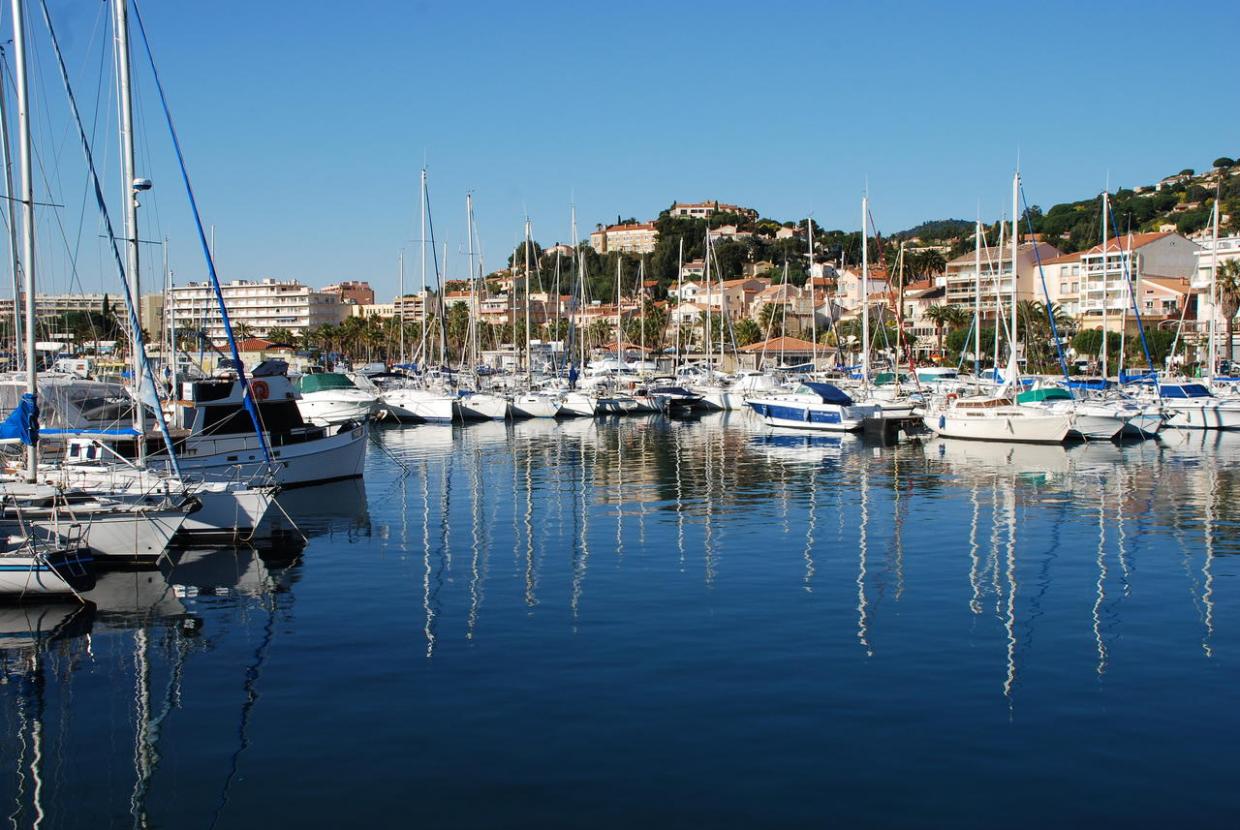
[666,280]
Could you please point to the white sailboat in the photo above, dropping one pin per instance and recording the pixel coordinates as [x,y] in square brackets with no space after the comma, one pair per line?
[998,417]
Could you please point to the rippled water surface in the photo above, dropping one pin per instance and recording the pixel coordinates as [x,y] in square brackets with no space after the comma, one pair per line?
[697,623]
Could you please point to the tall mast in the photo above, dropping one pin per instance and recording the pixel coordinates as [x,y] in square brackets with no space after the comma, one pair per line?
[977,299]
[425,296]
[813,305]
[529,364]
[469,268]
[1105,232]
[129,188]
[23,130]
[641,299]
[680,298]
[1015,245]
[706,281]
[11,207]
[401,317]
[865,291]
[1214,296]
[619,353]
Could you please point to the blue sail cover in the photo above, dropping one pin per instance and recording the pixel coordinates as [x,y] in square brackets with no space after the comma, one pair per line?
[829,393]
[23,422]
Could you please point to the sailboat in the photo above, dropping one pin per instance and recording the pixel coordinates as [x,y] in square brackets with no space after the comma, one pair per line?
[997,417]
[476,404]
[532,402]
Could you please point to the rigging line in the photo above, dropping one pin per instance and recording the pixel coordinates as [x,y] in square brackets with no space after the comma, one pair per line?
[136,328]
[247,394]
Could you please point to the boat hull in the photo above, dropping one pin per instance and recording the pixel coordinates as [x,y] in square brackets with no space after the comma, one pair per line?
[56,573]
[822,417]
[240,458]
[1021,428]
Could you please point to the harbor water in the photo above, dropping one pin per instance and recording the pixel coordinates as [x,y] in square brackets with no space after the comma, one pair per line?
[645,621]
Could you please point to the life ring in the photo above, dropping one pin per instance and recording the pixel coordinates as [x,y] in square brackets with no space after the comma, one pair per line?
[260,389]
[951,396]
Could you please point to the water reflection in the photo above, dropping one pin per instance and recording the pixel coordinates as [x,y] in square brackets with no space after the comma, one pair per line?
[717,545]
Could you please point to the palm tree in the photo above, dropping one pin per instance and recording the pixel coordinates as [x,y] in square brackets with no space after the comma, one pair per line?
[279,334]
[771,319]
[1228,284]
[243,331]
[939,315]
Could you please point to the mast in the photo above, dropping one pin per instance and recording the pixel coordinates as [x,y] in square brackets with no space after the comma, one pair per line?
[130,186]
[865,292]
[1105,211]
[1015,245]
[11,207]
[1214,298]
[641,299]
[706,282]
[401,313]
[23,130]
[425,297]
[469,269]
[813,305]
[680,298]
[619,353]
[977,299]
[529,364]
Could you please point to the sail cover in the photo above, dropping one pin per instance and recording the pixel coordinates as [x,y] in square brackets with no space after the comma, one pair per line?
[23,422]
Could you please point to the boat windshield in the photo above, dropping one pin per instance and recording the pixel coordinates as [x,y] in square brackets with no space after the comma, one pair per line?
[324,382]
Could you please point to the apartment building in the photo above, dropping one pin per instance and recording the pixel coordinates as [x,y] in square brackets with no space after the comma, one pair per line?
[701,210]
[627,239]
[260,305]
[351,291]
[1228,249]
[1162,266]
[960,280]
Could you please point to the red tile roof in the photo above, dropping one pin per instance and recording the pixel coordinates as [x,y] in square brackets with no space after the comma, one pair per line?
[780,344]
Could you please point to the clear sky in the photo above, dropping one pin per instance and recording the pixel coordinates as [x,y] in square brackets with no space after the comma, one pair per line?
[305,123]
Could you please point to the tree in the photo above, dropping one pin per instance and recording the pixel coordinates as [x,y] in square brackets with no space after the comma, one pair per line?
[243,331]
[1228,284]
[1222,162]
[941,316]
[771,320]
[279,334]
[747,332]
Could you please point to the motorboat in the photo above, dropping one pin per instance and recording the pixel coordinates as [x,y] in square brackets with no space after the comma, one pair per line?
[1193,406]
[813,405]
[995,418]
[1089,419]
[333,398]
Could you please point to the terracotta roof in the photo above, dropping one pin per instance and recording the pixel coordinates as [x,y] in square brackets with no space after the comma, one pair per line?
[780,344]
[1059,260]
[1138,240]
[920,285]
[1176,284]
[644,226]
[1004,254]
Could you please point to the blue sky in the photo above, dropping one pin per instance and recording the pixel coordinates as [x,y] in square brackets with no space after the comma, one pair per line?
[306,123]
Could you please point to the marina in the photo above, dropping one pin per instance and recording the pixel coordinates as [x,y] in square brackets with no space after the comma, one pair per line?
[612,607]
[555,500]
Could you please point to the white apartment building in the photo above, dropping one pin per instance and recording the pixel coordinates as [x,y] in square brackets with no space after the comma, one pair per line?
[627,239]
[1162,264]
[701,210]
[263,305]
[54,305]
[1228,249]
[960,279]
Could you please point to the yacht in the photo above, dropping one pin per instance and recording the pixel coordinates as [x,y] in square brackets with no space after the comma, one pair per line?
[1193,406]
[994,418]
[333,398]
[812,405]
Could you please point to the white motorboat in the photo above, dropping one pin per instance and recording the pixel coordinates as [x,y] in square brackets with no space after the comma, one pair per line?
[1089,419]
[1193,406]
[332,398]
[811,405]
[217,441]
[987,418]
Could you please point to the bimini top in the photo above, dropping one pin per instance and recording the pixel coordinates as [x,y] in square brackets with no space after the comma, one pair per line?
[1185,390]
[324,382]
[826,392]
[1037,395]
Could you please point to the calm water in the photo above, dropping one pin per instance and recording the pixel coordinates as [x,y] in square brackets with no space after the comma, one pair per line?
[670,624]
